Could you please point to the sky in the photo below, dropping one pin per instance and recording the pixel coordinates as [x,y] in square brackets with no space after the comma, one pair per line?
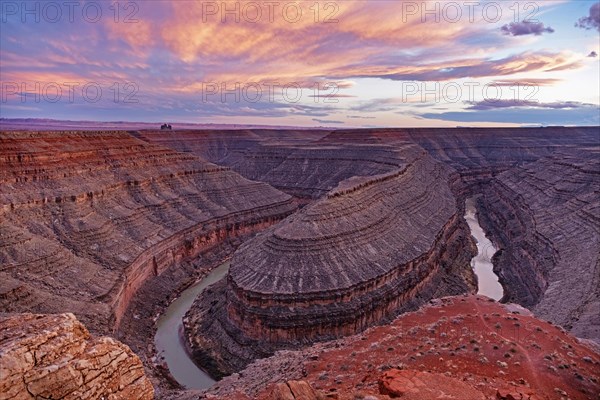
[338,64]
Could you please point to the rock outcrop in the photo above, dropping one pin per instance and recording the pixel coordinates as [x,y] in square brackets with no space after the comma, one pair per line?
[463,347]
[54,357]
[545,218]
[374,247]
[87,217]
[417,385]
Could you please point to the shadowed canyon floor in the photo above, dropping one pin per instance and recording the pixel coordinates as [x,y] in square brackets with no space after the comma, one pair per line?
[338,230]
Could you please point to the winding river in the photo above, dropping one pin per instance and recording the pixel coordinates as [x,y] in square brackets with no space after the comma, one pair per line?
[168,340]
[171,347]
[482,263]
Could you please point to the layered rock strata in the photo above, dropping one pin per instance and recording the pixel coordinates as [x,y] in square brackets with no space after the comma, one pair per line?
[87,217]
[230,146]
[545,217]
[478,154]
[54,357]
[374,247]
[285,159]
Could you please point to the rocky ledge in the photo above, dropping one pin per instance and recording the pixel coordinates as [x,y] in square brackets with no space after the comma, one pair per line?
[374,247]
[463,347]
[54,357]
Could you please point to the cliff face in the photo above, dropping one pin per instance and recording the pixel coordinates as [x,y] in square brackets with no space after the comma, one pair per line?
[478,154]
[88,217]
[296,162]
[545,216]
[463,347]
[54,357]
[374,247]
[310,171]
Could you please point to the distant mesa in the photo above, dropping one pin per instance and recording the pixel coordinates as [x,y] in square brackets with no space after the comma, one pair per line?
[165,127]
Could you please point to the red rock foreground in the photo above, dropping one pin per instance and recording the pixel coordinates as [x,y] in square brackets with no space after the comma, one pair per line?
[54,357]
[463,348]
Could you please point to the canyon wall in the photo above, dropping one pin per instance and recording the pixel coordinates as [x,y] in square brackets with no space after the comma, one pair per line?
[373,247]
[478,154]
[88,217]
[295,162]
[538,202]
[545,217]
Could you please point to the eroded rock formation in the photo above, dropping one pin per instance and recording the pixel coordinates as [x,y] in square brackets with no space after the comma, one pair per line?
[87,217]
[54,357]
[539,204]
[374,247]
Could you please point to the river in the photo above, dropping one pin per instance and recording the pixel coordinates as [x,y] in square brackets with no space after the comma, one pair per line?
[482,263]
[168,340]
[171,348]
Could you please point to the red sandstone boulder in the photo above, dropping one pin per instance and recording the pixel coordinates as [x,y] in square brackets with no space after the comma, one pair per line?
[294,390]
[411,384]
[55,357]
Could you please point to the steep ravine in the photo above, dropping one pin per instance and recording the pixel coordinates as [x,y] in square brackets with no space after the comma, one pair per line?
[545,218]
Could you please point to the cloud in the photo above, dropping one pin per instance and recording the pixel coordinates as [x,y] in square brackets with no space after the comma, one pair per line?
[332,96]
[592,21]
[593,54]
[512,103]
[585,116]
[527,82]
[358,117]
[327,121]
[377,105]
[542,61]
[525,28]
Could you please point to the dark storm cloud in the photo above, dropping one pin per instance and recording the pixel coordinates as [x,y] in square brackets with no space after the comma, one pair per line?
[592,21]
[593,54]
[526,28]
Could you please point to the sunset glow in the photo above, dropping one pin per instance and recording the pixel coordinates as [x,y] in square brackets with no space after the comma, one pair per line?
[305,63]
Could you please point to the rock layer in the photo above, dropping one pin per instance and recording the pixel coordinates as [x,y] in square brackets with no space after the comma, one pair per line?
[54,357]
[287,160]
[545,216]
[374,247]
[539,203]
[88,217]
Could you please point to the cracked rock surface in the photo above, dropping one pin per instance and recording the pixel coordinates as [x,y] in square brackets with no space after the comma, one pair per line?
[55,357]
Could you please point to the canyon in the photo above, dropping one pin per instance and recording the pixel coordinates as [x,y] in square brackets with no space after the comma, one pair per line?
[336,238]
[88,217]
[372,248]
